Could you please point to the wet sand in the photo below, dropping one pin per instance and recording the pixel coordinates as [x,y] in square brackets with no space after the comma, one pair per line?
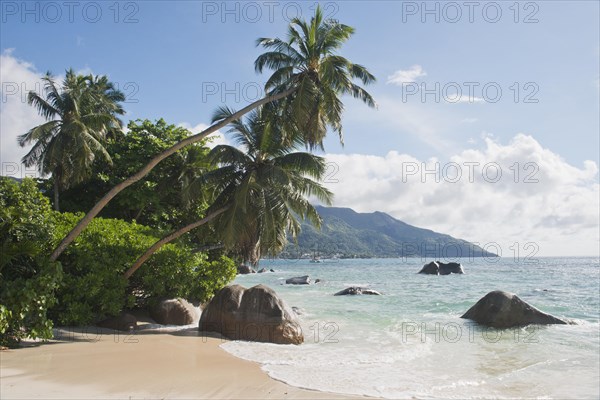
[104,364]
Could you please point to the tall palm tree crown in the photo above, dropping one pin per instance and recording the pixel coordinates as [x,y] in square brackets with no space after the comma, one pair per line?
[80,114]
[265,184]
[307,61]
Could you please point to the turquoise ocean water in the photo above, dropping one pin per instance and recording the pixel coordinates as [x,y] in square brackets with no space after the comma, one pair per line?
[410,342]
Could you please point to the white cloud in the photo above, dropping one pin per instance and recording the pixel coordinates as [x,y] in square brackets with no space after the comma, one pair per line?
[552,203]
[407,75]
[216,138]
[426,123]
[458,98]
[17,78]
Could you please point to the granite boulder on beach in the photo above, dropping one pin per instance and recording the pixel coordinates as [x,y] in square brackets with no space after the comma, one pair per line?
[174,312]
[256,314]
[122,322]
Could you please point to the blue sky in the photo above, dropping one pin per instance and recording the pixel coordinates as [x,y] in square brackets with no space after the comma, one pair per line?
[175,58]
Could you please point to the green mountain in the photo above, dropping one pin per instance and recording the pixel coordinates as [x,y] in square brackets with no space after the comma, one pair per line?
[346,233]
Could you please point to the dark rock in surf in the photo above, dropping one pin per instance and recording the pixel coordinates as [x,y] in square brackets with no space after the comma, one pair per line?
[245,269]
[440,268]
[356,291]
[297,310]
[430,269]
[298,280]
[500,309]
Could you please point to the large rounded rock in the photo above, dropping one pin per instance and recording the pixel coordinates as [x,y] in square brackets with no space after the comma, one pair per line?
[174,312]
[122,322]
[440,268]
[450,268]
[255,314]
[500,309]
[298,280]
[245,269]
[356,290]
[430,269]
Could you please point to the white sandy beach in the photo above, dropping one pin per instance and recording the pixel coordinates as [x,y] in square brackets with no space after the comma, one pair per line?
[166,365]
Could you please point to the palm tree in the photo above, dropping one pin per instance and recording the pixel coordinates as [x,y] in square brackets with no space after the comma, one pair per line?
[261,188]
[80,114]
[315,80]
[308,62]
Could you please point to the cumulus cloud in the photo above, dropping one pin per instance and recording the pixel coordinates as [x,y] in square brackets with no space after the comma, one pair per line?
[459,98]
[407,75]
[427,124]
[509,193]
[17,78]
[215,139]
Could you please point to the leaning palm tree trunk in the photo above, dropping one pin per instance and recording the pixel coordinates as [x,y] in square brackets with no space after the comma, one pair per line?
[170,237]
[84,222]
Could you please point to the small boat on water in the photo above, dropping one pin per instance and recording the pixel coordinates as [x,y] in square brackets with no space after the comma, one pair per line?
[316,260]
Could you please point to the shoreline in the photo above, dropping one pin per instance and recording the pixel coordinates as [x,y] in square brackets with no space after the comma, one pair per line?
[100,363]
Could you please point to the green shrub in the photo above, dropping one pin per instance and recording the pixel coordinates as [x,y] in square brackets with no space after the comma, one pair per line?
[176,272]
[27,279]
[90,285]
[93,287]
[212,276]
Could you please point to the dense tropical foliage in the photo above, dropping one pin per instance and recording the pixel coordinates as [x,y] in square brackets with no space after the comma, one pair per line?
[260,189]
[86,285]
[28,280]
[93,287]
[308,81]
[157,200]
[266,185]
[243,200]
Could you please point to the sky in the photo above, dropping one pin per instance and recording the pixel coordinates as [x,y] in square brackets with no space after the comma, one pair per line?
[487,126]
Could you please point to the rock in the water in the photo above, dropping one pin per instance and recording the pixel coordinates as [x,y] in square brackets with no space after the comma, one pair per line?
[263,270]
[354,290]
[440,268]
[123,322]
[431,269]
[297,310]
[255,314]
[174,312]
[245,269]
[271,270]
[298,280]
[500,309]
[450,268]
[318,280]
